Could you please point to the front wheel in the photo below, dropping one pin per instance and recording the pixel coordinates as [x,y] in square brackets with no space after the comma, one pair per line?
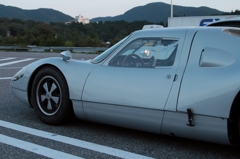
[50,96]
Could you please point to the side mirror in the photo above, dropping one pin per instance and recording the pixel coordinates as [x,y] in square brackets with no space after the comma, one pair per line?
[66,55]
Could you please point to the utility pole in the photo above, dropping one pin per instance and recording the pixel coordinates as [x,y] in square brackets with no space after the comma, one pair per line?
[171,9]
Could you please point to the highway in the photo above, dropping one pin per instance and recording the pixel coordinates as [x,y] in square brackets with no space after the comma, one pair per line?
[23,135]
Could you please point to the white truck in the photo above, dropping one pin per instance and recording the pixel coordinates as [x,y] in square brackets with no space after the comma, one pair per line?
[197,20]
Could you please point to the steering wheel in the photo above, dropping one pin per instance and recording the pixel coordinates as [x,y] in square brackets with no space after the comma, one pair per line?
[130,55]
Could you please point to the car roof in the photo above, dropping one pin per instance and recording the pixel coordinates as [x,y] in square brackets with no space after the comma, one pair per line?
[194,28]
[173,30]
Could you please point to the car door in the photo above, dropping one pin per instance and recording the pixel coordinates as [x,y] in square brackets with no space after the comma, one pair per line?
[132,88]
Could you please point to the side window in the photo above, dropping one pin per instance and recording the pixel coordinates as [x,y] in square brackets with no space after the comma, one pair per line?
[147,52]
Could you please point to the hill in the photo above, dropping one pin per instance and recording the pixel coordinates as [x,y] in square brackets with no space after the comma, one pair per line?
[42,14]
[158,12]
[152,12]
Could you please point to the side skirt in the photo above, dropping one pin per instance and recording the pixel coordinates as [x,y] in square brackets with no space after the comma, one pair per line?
[129,117]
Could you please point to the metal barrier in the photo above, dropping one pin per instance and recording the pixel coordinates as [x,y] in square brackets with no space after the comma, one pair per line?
[53,48]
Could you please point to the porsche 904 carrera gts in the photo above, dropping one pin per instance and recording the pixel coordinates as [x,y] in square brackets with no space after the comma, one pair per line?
[183,82]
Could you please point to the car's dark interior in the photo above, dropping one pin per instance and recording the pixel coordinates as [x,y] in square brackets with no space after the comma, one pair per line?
[133,60]
[227,23]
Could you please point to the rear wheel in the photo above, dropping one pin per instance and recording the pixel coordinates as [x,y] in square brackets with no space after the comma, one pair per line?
[50,96]
[239,128]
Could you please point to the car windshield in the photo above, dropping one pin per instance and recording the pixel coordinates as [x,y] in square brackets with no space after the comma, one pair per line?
[106,53]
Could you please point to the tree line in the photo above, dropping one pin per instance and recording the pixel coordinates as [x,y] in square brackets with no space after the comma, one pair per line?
[23,33]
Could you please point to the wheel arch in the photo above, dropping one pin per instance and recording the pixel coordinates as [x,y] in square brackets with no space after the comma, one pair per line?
[234,121]
[32,78]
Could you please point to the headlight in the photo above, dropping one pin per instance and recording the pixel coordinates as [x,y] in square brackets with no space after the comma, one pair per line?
[19,74]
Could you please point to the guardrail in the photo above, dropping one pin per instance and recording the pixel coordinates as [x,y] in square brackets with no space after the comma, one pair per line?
[53,48]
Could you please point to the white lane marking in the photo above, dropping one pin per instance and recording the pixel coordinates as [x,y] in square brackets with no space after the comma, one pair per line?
[10,58]
[72,141]
[4,78]
[37,149]
[13,62]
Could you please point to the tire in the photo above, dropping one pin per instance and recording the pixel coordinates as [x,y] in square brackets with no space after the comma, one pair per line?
[239,129]
[50,96]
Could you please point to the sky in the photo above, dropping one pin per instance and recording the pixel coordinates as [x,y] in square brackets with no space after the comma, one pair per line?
[101,8]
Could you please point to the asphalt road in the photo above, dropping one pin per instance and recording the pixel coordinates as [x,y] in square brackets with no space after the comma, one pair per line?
[23,135]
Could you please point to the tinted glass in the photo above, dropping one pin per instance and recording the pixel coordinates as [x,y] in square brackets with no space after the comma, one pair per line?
[147,52]
[106,53]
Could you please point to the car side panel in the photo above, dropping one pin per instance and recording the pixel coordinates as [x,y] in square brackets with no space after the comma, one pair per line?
[212,78]
[134,87]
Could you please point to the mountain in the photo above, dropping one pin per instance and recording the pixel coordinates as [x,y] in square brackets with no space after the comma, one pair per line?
[152,12]
[158,12]
[42,14]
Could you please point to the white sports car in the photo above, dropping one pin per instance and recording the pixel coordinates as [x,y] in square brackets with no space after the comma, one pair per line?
[183,82]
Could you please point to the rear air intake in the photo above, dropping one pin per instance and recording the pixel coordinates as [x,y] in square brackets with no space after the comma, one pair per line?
[232,31]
